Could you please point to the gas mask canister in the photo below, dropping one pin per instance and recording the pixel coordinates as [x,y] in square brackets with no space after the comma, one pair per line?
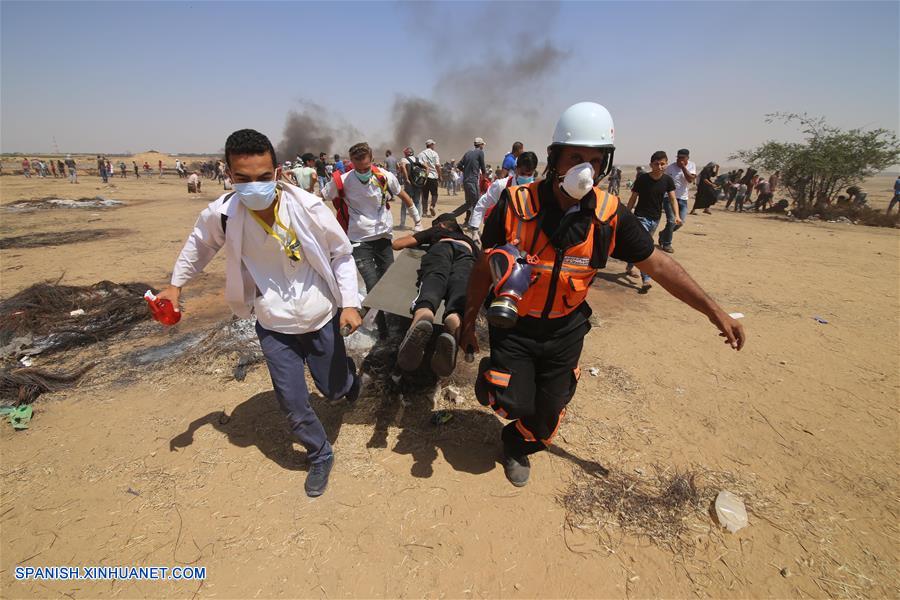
[511,274]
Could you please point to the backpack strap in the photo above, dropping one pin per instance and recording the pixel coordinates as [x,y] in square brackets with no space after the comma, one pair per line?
[340,204]
[223,218]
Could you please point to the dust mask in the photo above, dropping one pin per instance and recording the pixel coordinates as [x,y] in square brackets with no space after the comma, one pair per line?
[256,195]
[578,180]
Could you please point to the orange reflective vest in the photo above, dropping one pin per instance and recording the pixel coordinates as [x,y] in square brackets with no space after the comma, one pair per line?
[560,278]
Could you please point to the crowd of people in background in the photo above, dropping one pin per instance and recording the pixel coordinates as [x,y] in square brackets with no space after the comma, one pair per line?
[742,190]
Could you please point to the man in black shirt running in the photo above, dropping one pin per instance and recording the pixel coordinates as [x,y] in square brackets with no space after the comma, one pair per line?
[651,190]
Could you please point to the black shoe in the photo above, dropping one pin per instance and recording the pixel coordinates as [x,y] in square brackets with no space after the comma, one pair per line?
[317,478]
[443,361]
[412,349]
[645,288]
[668,249]
[516,468]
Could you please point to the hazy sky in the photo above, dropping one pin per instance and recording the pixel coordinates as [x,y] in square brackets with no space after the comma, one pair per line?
[179,77]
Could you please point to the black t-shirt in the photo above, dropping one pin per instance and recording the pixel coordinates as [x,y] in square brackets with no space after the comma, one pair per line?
[435,234]
[320,168]
[633,244]
[652,193]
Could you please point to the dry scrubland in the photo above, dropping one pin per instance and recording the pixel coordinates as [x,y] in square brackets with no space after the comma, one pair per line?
[170,465]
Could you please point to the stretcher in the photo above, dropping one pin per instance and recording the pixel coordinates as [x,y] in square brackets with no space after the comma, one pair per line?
[396,291]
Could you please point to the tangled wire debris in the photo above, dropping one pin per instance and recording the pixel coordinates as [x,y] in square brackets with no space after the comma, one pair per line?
[48,317]
[50,202]
[660,508]
[23,386]
[58,238]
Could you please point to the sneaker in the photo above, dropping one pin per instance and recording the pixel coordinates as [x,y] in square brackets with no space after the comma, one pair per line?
[645,288]
[443,361]
[412,349]
[668,249]
[317,478]
[431,211]
[516,468]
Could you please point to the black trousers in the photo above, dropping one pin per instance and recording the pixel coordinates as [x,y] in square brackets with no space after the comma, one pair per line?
[444,276]
[431,187]
[531,382]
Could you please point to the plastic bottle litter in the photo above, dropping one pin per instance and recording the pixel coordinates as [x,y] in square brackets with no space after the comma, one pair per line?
[731,512]
[162,309]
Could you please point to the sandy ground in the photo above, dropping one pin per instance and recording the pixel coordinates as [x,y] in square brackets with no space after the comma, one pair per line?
[145,470]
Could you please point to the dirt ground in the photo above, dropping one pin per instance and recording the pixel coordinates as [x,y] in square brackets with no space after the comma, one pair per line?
[169,468]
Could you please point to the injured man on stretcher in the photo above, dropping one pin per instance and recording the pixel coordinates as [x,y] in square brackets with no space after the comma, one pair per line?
[442,277]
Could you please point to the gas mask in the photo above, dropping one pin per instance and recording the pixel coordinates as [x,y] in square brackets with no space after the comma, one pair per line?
[511,274]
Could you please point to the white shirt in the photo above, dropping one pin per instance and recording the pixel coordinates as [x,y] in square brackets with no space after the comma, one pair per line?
[292,298]
[370,218]
[488,200]
[681,183]
[432,162]
[324,243]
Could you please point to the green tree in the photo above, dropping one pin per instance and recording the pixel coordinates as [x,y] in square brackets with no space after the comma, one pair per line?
[830,160]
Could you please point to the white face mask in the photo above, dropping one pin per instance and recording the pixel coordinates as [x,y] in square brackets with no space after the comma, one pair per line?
[256,195]
[578,180]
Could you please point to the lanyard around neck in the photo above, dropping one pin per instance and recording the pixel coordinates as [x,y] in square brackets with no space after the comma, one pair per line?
[289,244]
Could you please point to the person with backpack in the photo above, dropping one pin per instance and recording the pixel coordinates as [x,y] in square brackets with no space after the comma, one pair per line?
[289,263]
[544,244]
[432,162]
[361,198]
[413,176]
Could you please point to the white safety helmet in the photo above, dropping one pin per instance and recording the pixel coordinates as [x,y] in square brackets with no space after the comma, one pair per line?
[585,124]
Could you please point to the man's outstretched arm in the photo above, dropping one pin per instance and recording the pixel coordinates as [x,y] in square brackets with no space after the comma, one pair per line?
[672,276]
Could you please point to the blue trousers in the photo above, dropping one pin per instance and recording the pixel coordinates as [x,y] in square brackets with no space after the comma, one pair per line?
[665,236]
[331,369]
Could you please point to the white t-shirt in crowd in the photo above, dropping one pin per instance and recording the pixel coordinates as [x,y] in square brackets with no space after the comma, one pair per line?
[303,176]
[681,184]
[293,298]
[370,218]
[432,162]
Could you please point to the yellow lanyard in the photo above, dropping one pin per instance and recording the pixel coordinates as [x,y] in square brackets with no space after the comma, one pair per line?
[290,245]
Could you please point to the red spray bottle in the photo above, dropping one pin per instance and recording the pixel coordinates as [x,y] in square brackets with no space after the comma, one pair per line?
[161,309]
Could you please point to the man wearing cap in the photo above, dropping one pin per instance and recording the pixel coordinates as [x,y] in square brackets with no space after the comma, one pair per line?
[472,166]
[544,243]
[683,172]
[432,163]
